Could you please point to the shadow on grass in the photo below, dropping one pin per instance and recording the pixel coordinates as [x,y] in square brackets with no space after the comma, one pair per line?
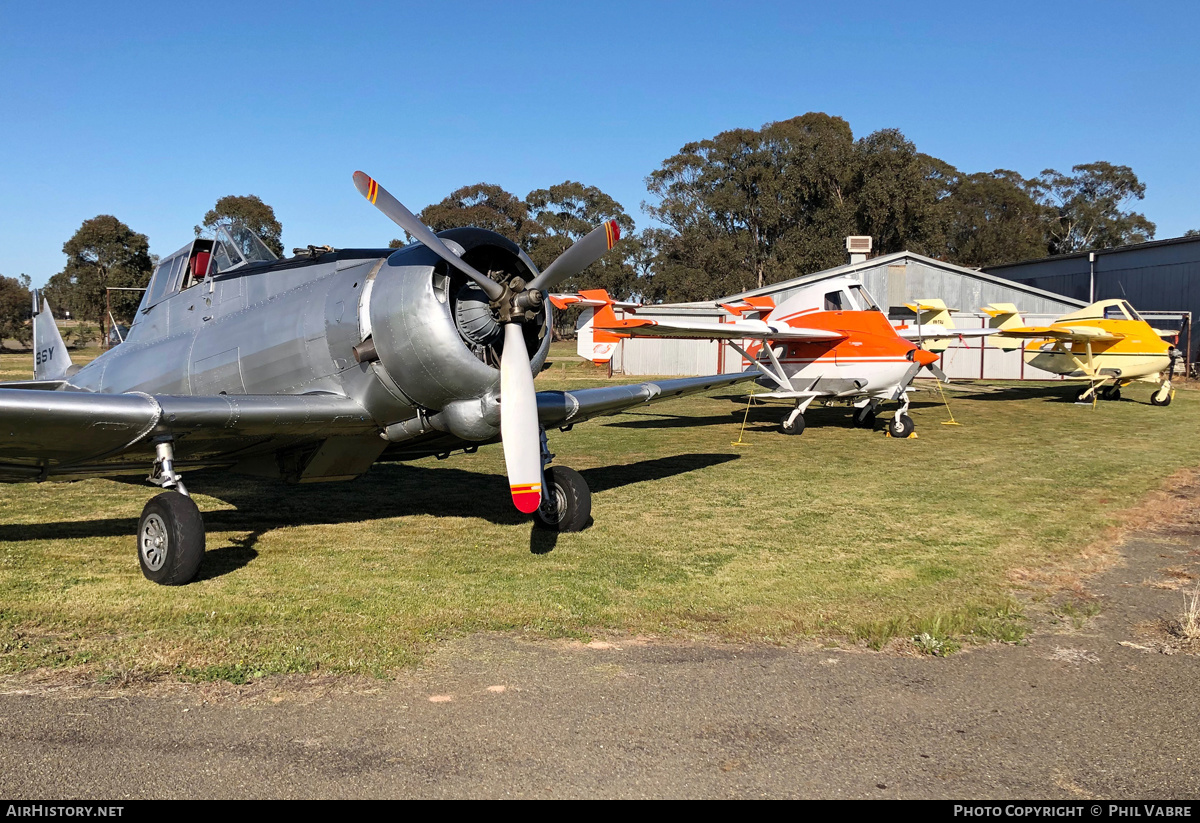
[1066,393]
[761,417]
[387,491]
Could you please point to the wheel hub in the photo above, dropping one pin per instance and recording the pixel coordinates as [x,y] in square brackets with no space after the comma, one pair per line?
[153,542]
[554,505]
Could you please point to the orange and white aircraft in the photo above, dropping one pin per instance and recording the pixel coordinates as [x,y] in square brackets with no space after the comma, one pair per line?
[829,340]
[1107,344]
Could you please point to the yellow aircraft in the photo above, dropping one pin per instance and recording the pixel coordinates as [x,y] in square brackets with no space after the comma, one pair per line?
[1108,344]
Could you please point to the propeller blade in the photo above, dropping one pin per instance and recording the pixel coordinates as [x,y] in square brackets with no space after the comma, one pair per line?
[408,221]
[583,253]
[938,373]
[519,422]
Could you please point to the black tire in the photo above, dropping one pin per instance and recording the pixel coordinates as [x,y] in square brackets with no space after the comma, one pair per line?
[901,425]
[1166,397]
[1084,396]
[867,422]
[1110,393]
[796,426]
[567,506]
[170,539]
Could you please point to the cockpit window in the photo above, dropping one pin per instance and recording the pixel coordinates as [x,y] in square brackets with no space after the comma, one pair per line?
[166,276]
[235,245]
[833,301]
[1133,315]
[1115,312]
[864,299]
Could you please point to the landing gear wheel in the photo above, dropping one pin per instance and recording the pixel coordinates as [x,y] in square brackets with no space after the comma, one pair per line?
[567,503]
[170,539]
[1085,396]
[1161,396]
[901,426]
[792,423]
[867,422]
[1110,393]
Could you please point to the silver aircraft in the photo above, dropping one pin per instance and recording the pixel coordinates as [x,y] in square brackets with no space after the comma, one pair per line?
[312,368]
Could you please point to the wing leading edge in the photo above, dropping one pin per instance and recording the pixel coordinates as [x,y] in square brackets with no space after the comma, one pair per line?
[562,408]
[48,432]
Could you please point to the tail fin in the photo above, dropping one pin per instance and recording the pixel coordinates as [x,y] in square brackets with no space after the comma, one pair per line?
[595,344]
[50,358]
[932,312]
[1004,316]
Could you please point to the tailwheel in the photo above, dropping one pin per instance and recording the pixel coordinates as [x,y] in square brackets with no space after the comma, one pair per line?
[901,425]
[566,501]
[793,422]
[170,539]
[1110,393]
[1162,395]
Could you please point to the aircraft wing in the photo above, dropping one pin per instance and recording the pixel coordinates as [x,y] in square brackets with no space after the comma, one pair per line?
[792,395]
[934,332]
[43,432]
[707,330]
[562,408]
[1056,332]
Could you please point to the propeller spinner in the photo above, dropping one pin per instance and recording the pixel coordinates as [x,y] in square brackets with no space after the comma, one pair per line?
[519,430]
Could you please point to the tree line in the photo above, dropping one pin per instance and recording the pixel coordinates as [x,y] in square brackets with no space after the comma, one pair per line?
[740,210]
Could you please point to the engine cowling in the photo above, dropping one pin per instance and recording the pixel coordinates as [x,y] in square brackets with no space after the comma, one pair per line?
[437,336]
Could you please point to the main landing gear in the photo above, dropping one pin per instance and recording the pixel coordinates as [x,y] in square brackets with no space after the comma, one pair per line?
[566,498]
[865,415]
[793,421]
[170,538]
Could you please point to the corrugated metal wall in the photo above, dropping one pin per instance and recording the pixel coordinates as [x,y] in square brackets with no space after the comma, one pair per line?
[1152,276]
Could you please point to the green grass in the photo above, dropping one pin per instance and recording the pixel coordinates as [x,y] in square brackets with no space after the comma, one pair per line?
[839,534]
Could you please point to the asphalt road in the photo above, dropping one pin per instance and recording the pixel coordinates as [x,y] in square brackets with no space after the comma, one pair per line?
[1072,714]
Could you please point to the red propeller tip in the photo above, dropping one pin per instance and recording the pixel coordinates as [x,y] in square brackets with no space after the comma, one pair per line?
[612,232]
[527,498]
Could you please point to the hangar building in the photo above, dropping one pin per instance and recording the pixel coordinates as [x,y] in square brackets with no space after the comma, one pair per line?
[893,280]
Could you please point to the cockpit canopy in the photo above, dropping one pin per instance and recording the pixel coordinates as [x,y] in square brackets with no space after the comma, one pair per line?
[231,246]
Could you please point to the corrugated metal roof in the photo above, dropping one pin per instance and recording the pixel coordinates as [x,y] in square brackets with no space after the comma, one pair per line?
[883,260]
[1149,244]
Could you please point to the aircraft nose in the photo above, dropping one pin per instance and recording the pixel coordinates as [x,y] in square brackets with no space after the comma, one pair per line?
[925,358]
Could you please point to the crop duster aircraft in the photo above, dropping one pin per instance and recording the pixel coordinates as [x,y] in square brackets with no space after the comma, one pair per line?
[1108,344]
[312,368]
[829,340]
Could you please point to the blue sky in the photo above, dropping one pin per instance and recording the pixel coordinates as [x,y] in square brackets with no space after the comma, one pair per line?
[152,111]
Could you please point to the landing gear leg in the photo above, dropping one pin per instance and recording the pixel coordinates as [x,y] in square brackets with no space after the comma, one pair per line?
[566,499]
[864,416]
[1163,394]
[793,422]
[901,425]
[170,538]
